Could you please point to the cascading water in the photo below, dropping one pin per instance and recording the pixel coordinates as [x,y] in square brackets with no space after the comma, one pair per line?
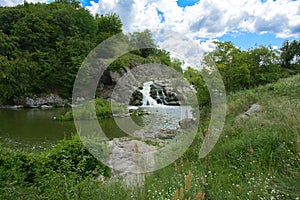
[162,115]
[158,97]
[147,99]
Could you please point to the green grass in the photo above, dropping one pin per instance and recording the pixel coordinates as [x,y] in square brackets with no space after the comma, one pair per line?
[103,110]
[255,158]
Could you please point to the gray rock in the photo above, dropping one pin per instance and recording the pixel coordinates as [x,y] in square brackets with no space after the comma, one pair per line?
[129,157]
[255,108]
[49,100]
[46,107]
[187,123]
[12,107]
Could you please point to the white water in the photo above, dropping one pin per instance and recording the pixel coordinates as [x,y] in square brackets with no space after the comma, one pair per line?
[147,99]
[162,116]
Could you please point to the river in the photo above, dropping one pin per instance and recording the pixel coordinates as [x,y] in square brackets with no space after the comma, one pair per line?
[35,129]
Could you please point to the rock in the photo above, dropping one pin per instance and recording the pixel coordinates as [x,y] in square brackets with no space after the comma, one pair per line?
[129,157]
[49,100]
[46,107]
[136,98]
[13,107]
[100,178]
[187,123]
[255,108]
[80,99]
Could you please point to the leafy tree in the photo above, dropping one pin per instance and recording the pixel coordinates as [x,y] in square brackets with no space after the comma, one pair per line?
[195,78]
[108,25]
[140,40]
[230,61]
[264,65]
[8,46]
[74,3]
[290,54]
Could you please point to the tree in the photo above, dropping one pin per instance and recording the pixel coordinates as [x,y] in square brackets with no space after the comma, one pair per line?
[108,25]
[8,46]
[144,42]
[290,54]
[230,61]
[263,63]
[74,3]
[195,78]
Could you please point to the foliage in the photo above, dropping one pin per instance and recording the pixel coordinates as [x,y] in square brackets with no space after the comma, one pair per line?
[57,174]
[43,46]
[255,158]
[290,56]
[103,110]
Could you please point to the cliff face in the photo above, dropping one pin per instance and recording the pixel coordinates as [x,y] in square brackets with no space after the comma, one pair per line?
[125,85]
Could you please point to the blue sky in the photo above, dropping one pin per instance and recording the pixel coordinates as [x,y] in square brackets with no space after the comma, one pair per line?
[244,22]
[184,3]
[261,30]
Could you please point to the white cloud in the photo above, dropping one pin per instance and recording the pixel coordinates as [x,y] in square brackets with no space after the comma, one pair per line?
[10,3]
[208,18]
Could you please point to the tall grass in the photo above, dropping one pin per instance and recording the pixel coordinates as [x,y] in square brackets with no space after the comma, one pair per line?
[256,157]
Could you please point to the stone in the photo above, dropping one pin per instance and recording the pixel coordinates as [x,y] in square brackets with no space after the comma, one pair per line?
[12,107]
[255,108]
[46,107]
[187,123]
[49,100]
[128,157]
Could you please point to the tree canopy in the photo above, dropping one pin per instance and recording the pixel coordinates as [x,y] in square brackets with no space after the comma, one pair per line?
[43,45]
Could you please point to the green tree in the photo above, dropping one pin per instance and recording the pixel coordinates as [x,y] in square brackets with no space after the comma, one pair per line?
[195,78]
[263,63]
[140,40]
[290,54]
[230,61]
[108,25]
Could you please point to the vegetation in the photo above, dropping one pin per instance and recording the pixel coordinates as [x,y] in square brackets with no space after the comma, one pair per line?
[42,47]
[245,69]
[60,173]
[257,157]
[102,108]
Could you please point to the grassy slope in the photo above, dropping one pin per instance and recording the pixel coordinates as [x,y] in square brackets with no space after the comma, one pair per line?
[255,158]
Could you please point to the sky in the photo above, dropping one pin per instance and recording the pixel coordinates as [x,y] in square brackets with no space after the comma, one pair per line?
[247,23]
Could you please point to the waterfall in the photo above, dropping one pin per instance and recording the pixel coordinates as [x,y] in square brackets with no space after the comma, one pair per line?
[164,96]
[158,98]
[147,99]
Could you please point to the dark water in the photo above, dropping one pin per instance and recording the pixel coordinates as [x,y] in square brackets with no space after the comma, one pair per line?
[35,129]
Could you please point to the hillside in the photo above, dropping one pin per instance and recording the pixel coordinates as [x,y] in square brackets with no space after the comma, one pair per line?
[257,157]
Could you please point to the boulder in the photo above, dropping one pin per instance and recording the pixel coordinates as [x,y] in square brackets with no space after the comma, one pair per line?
[187,123]
[49,100]
[255,108]
[129,156]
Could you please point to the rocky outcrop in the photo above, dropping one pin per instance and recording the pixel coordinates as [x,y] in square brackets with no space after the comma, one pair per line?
[127,160]
[159,136]
[136,98]
[128,82]
[130,158]
[45,102]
